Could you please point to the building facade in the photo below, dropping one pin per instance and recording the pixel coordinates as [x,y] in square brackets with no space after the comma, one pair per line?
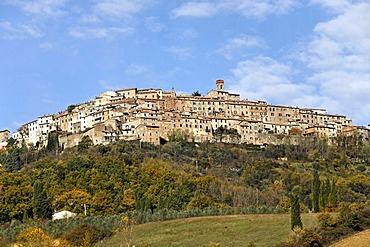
[150,115]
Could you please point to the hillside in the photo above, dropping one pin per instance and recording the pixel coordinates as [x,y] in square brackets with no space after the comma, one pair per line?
[361,239]
[239,230]
[180,179]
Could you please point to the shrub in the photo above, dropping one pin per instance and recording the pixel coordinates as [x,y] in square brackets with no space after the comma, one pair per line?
[3,242]
[86,233]
[311,237]
[34,237]
[325,220]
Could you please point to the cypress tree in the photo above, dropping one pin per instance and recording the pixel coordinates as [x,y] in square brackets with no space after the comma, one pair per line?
[333,199]
[324,193]
[13,161]
[41,202]
[53,142]
[160,203]
[295,212]
[316,191]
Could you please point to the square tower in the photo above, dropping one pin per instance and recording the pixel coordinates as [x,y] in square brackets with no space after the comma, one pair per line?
[220,85]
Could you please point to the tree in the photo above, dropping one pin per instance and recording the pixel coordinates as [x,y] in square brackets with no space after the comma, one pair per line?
[295,210]
[333,199]
[53,142]
[84,144]
[13,161]
[316,191]
[12,144]
[70,108]
[324,193]
[129,199]
[196,93]
[41,202]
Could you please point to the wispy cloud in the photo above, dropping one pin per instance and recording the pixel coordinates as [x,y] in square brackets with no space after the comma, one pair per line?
[100,21]
[257,9]
[46,46]
[154,25]
[190,33]
[91,18]
[268,79]
[333,5]
[120,8]
[336,67]
[338,56]
[19,31]
[239,43]
[181,53]
[136,69]
[106,85]
[41,8]
[196,9]
[98,32]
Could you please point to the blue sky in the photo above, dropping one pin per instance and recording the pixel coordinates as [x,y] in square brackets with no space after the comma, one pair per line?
[313,53]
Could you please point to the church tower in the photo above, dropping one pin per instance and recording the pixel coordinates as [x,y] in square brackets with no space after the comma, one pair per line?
[220,85]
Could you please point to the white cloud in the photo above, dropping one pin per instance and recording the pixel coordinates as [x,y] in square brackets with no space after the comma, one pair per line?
[154,25]
[90,19]
[196,9]
[40,8]
[267,79]
[190,33]
[120,8]
[181,53]
[106,85]
[333,5]
[240,43]
[19,31]
[339,55]
[136,69]
[98,32]
[337,59]
[257,9]
[47,46]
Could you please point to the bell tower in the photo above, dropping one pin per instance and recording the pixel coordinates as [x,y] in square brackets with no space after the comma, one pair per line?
[220,85]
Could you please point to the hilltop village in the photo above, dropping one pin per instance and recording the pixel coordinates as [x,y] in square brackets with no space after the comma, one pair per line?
[150,115]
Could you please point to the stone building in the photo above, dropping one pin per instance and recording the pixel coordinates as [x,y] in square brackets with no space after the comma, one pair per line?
[150,115]
[4,136]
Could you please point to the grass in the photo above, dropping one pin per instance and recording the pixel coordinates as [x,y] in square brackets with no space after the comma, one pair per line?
[237,230]
[361,239]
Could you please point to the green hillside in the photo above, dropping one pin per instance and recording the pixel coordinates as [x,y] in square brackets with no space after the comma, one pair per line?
[236,230]
[181,179]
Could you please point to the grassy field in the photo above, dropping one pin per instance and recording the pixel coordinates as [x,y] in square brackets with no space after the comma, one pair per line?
[238,230]
[361,239]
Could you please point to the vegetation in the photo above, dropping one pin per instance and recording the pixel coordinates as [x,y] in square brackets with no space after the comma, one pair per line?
[40,201]
[176,180]
[316,189]
[70,108]
[196,93]
[236,230]
[295,209]
[331,228]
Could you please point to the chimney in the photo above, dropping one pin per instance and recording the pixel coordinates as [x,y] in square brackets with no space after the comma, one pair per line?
[220,85]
